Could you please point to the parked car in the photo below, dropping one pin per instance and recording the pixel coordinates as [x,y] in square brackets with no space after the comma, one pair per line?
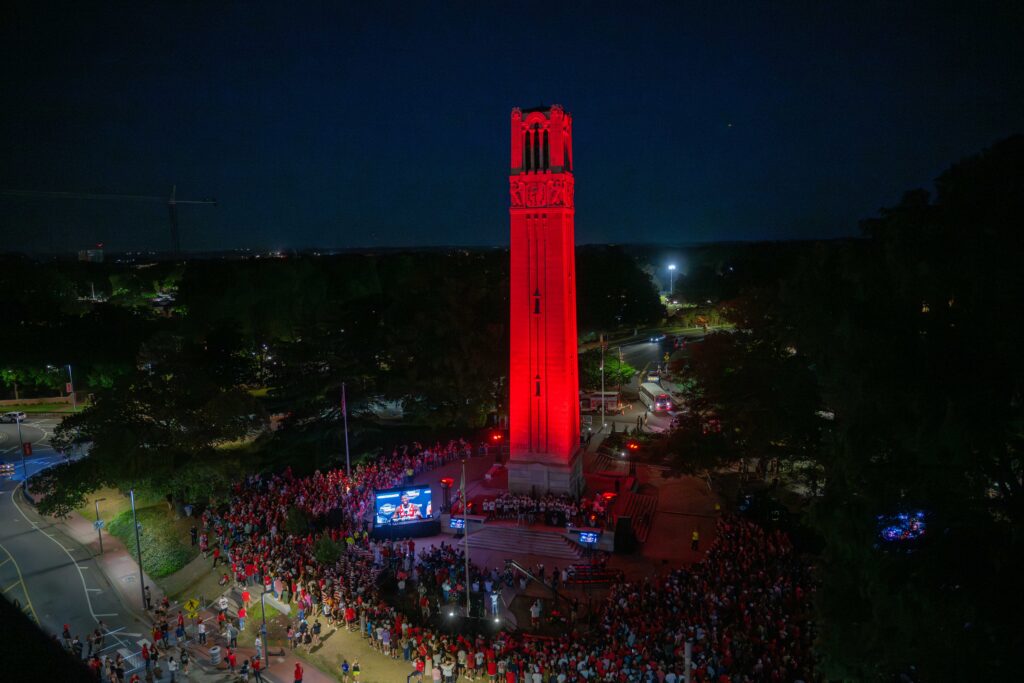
[13,416]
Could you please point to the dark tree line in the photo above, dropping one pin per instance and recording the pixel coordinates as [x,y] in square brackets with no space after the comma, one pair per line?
[191,391]
[892,364]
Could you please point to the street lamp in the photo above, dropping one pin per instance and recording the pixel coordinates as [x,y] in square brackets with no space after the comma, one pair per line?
[21,443]
[138,549]
[71,385]
[99,529]
[671,273]
[263,630]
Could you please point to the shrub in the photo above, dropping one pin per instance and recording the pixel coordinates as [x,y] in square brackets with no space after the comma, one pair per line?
[327,551]
[297,522]
[163,551]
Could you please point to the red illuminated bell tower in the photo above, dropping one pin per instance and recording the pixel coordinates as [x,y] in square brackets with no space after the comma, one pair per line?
[544,406]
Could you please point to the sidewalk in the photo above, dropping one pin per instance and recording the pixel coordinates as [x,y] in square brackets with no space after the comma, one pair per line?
[122,573]
[118,566]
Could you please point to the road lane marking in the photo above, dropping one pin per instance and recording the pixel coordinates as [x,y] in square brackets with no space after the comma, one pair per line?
[88,600]
[11,586]
[24,586]
[5,562]
[108,614]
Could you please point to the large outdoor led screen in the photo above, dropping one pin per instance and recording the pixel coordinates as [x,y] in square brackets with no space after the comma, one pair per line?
[402,506]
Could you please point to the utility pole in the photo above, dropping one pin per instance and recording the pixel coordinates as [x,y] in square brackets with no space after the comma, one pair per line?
[71,384]
[263,630]
[465,535]
[21,445]
[344,413]
[99,529]
[138,550]
[602,382]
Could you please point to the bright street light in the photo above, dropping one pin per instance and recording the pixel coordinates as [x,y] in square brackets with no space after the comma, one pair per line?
[671,272]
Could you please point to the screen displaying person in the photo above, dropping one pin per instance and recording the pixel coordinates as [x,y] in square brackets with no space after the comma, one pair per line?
[407,511]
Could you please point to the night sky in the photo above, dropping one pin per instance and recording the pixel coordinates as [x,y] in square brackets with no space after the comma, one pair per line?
[386,123]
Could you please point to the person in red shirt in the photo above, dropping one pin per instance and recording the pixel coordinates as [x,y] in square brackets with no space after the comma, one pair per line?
[232,659]
[245,598]
[257,669]
[298,673]
[492,669]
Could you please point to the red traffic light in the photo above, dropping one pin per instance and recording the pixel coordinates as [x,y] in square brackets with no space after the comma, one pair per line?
[496,437]
[633,446]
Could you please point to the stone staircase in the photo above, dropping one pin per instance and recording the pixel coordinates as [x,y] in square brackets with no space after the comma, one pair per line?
[517,540]
[641,509]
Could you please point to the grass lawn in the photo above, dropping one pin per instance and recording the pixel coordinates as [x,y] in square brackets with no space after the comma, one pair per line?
[164,540]
[277,625]
[43,407]
[114,504]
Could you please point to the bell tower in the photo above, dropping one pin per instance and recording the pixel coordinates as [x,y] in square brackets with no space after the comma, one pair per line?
[544,405]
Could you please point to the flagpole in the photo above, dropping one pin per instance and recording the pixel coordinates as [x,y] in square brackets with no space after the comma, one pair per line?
[465,533]
[344,413]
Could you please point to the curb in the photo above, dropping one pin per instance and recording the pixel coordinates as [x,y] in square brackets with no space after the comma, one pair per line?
[60,525]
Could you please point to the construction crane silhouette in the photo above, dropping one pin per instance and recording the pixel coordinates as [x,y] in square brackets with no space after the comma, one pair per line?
[172,204]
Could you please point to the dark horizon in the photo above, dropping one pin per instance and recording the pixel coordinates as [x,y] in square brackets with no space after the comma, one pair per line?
[387,126]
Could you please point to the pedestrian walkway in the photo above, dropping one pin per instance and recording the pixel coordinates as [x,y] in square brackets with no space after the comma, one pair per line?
[122,572]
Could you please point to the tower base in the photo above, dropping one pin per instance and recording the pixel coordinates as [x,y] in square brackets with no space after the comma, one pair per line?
[538,474]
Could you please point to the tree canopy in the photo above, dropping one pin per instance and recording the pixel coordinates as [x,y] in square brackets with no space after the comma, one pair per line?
[159,427]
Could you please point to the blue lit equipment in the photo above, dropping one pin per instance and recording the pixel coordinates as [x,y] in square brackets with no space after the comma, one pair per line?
[902,527]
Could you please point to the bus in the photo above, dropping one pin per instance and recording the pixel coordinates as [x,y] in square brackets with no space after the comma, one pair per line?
[655,398]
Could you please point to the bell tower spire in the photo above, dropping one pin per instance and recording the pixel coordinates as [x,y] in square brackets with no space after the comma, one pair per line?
[544,416]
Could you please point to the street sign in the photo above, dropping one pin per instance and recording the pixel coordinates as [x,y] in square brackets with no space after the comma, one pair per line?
[192,607]
[98,524]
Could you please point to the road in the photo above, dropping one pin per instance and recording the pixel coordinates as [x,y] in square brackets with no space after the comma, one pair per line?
[53,578]
[642,355]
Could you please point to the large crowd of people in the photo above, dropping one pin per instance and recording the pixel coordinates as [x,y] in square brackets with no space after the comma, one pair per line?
[743,609]
[742,612]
